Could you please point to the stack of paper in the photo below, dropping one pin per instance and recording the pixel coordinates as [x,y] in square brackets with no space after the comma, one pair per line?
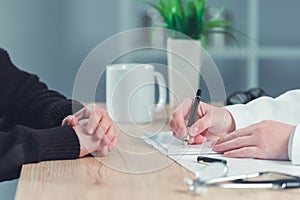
[167,144]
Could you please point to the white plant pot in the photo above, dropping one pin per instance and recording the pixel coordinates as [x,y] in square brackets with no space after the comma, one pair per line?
[184,64]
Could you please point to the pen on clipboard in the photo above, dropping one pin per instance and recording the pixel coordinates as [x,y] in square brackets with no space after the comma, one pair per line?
[192,118]
[207,160]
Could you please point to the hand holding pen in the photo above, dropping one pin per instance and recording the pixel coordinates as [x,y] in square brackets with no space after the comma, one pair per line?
[192,117]
[210,122]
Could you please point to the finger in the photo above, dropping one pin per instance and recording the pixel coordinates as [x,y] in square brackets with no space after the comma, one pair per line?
[179,129]
[184,109]
[115,141]
[235,143]
[104,147]
[68,120]
[245,152]
[178,135]
[101,135]
[113,144]
[73,121]
[172,123]
[200,126]
[83,113]
[107,127]
[238,133]
[199,139]
[94,120]
[105,124]
[111,133]
[213,137]
[178,121]
[104,151]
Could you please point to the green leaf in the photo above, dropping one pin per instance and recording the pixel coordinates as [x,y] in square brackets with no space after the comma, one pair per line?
[240,32]
[199,16]
[189,17]
[179,7]
[227,33]
[215,23]
[159,9]
[203,41]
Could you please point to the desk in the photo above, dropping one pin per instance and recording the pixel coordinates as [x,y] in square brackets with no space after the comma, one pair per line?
[133,170]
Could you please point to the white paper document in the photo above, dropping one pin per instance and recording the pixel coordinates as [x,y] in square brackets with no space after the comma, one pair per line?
[167,144]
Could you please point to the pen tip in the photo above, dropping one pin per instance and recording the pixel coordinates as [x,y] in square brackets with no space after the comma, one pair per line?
[185,142]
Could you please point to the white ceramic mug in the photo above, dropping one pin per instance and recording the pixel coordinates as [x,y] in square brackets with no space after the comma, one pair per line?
[130,92]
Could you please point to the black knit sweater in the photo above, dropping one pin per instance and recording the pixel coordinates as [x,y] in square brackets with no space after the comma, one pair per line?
[30,121]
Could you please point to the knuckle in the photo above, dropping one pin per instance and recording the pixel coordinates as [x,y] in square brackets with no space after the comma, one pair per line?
[171,124]
[114,131]
[100,136]
[175,125]
[93,106]
[258,127]
[106,116]
[97,111]
[104,111]
[175,115]
[104,128]
[265,123]
[235,134]
[170,121]
[260,141]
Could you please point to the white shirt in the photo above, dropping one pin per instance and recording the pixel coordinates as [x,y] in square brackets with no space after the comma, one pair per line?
[285,109]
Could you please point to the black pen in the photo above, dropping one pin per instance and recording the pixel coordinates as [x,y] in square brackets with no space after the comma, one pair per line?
[207,160]
[192,116]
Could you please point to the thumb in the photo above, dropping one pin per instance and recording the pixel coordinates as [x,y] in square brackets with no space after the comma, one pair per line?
[70,120]
[199,139]
[199,126]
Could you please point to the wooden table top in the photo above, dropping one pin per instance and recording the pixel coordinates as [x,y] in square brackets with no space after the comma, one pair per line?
[134,170]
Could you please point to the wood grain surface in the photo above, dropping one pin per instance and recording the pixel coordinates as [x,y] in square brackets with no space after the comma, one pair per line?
[134,170]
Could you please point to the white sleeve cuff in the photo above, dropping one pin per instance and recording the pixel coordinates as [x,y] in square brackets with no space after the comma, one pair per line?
[242,115]
[294,146]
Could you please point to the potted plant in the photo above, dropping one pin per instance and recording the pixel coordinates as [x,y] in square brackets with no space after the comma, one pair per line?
[188,27]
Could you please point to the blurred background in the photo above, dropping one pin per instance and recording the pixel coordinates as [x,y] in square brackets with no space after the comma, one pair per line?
[52,38]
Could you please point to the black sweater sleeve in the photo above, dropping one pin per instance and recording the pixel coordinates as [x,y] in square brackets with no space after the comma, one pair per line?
[27,101]
[30,121]
[23,145]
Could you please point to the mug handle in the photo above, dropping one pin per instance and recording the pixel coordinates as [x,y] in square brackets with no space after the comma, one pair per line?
[162,89]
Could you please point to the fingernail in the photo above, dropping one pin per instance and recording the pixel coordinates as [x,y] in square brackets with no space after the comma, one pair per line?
[215,147]
[73,122]
[91,131]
